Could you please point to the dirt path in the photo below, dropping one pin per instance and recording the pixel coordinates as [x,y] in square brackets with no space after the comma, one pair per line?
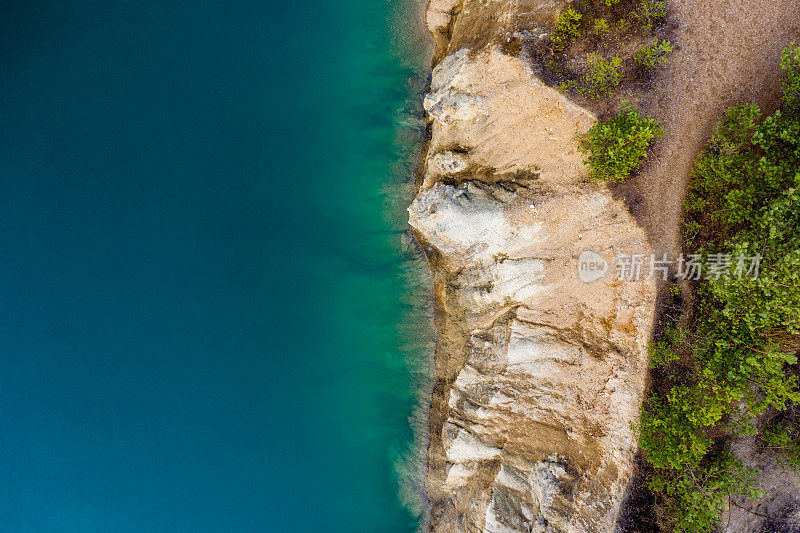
[729,52]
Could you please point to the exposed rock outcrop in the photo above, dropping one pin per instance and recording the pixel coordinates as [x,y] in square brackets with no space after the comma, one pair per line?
[538,373]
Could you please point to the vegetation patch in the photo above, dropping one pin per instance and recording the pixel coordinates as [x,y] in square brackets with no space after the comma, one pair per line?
[600,27]
[729,367]
[567,29]
[613,148]
[650,13]
[596,47]
[654,54]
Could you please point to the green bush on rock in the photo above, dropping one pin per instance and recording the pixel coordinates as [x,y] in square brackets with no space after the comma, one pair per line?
[615,147]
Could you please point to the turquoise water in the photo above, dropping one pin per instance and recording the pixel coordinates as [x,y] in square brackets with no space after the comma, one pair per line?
[212,319]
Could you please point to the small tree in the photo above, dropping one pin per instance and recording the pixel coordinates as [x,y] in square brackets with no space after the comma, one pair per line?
[615,147]
[601,76]
[650,13]
[600,26]
[654,54]
[568,28]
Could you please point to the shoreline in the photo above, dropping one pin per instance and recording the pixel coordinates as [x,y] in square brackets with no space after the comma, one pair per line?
[417,333]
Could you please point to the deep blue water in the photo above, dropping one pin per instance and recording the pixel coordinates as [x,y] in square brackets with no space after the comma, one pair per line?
[205,321]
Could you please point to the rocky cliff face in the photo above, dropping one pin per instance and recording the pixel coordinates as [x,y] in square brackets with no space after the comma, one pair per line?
[538,373]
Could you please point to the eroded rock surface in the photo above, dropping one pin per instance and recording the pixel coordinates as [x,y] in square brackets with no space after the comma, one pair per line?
[538,373]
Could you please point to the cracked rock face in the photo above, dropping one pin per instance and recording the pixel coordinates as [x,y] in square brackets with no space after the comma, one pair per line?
[538,373]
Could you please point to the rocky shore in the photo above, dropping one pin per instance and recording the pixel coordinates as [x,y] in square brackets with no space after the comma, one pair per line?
[538,374]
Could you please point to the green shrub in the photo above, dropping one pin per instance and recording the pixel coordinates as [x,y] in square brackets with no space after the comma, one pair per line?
[787,441]
[601,76]
[611,2]
[662,352]
[567,29]
[790,62]
[649,13]
[696,495]
[654,54]
[615,147]
[600,26]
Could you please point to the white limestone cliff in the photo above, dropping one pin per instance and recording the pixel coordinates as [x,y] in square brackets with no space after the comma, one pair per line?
[538,373]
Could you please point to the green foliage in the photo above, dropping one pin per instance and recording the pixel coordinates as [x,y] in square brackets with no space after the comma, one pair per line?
[744,201]
[662,353]
[602,30]
[790,62]
[568,28]
[654,54]
[615,147]
[787,441]
[601,76]
[600,26]
[672,432]
[649,13]
[696,495]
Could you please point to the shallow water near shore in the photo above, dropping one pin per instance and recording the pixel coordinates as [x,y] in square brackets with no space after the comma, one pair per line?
[214,317]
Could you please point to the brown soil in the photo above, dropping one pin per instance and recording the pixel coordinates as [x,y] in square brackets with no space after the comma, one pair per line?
[728,52]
